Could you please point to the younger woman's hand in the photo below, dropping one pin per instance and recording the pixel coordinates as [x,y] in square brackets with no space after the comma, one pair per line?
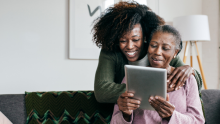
[126,104]
[178,77]
[163,107]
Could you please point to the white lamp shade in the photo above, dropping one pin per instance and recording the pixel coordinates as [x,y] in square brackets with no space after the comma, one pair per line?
[193,28]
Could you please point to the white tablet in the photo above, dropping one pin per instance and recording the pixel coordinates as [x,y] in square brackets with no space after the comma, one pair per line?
[145,82]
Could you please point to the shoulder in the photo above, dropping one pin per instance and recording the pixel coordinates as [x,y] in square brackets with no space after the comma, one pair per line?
[115,56]
[110,54]
[191,84]
[191,80]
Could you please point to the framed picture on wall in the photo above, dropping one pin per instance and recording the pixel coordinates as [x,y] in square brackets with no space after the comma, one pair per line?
[82,13]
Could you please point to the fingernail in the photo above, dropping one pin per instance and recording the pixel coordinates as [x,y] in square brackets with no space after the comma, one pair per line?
[151,98]
[179,86]
[176,89]
[167,80]
[183,84]
[156,97]
[131,94]
[171,86]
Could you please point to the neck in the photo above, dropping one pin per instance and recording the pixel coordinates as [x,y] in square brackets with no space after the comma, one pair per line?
[168,68]
[143,54]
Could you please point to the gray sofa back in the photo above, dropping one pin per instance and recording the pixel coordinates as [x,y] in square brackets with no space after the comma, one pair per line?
[211,100]
[13,107]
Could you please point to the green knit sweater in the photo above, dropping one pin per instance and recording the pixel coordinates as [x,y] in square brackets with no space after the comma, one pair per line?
[110,73]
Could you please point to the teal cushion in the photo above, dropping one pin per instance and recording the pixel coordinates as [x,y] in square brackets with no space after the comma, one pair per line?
[66,107]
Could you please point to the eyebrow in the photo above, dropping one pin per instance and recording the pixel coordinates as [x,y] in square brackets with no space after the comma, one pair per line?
[135,36]
[163,43]
[154,41]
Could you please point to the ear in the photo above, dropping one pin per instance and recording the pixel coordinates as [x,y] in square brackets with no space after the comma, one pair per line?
[175,54]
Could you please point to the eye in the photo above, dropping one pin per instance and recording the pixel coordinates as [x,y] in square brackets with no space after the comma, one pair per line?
[135,40]
[153,46]
[165,48]
[122,41]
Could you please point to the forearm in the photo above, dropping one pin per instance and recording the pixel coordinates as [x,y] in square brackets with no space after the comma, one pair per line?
[119,118]
[105,88]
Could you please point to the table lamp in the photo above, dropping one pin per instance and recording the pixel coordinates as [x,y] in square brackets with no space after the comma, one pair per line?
[193,29]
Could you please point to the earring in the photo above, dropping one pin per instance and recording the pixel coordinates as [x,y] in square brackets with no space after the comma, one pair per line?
[174,57]
[145,41]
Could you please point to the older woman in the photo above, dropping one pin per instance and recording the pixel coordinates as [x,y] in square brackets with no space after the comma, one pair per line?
[123,32]
[181,107]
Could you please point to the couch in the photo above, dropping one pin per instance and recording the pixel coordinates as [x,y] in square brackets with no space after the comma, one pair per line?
[13,107]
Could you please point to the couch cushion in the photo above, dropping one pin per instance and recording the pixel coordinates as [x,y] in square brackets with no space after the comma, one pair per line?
[211,100]
[78,107]
[13,108]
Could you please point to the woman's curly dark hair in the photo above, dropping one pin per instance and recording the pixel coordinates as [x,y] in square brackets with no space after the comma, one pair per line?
[121,18]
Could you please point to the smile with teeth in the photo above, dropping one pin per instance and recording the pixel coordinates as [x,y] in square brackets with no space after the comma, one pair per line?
[131,53]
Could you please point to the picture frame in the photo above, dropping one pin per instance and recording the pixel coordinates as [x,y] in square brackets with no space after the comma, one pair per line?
[82,13]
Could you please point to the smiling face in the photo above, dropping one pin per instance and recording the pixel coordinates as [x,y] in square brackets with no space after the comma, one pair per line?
[161,49]
[131,44]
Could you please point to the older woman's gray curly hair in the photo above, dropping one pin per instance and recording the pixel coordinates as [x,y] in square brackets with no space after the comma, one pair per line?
[171,30]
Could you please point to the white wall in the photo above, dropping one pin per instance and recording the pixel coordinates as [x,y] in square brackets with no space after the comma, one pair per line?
[210,49]
[34,49]
[34,45]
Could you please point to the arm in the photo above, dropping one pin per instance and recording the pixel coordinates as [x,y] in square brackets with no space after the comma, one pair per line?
[123,110]
[194,114]
[106,90]
[117,117]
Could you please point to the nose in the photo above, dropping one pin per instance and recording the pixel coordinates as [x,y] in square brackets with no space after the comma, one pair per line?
[158,51]
[130,45]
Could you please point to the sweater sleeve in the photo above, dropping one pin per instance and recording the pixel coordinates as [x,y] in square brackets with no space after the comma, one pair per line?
[106,90]
[117,117]
[194,114]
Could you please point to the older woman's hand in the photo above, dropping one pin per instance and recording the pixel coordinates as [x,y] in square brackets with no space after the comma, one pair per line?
[178,77]
[163,107]
[126,104]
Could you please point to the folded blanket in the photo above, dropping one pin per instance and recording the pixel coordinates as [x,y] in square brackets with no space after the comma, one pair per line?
[68,107]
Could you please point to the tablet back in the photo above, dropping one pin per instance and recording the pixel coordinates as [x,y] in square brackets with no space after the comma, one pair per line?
[145,82]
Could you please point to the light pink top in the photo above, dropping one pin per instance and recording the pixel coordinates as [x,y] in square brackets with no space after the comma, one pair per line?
[188,109]
[4,119]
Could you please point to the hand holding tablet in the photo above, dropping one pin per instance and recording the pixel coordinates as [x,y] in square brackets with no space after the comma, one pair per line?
[144,82]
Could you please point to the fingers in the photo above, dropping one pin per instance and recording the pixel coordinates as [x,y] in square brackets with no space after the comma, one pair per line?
[125,102]
[163,107]
[176,78]
[170,89]
[182,79]
[171,76]
[180,75]
[130,103]
[165,102]
[125,94]
[167,99]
